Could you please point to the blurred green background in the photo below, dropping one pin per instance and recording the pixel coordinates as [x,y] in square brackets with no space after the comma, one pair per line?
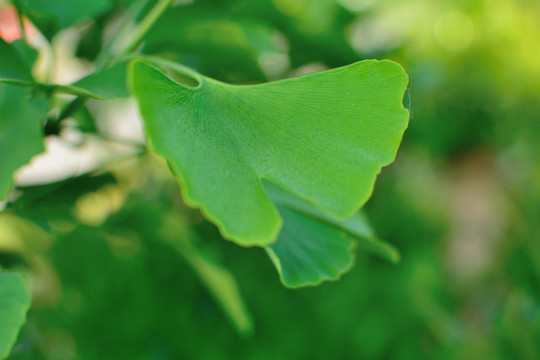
[461,202]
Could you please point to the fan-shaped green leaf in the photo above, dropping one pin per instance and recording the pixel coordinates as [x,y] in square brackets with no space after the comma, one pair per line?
[312,246]
[14,303]
[322,136]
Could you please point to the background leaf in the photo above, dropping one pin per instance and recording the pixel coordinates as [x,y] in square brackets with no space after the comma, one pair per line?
[220,282]
[109,83]
[14,303]
[314,32]
[323,136]
[50,16]
[21,131]
[21,114]
[309,251]
[15,60]
[313,246]
[218,47]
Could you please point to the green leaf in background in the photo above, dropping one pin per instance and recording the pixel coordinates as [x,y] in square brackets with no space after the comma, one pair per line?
[309,251]
[50,16]
[15,60]
[21,114]
[26,54]
[220,282]
[109,83]
[14,303]
[322,136]
[21,131]
[217,46]
[203,31]
[315,31]
[48,89]
[156,222]
[312,246]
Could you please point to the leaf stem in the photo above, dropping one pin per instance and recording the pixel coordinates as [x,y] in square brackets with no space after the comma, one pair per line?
[145,25]
[106,55]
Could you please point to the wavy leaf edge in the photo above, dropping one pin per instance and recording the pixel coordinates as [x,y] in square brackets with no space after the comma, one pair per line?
[162,66]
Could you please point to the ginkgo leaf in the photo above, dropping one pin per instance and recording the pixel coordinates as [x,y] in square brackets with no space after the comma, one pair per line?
[309,251]
[312,246]
[14,303]
[324,137]
[356,226]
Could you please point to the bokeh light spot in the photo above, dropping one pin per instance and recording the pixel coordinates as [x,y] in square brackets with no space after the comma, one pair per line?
[454,31]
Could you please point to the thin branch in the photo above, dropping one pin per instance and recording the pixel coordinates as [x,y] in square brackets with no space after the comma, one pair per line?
[145,25]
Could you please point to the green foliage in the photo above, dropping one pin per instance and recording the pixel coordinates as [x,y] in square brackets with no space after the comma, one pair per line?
[122,268]
[52,16]
[21,131]
[14,303]
[16,61]
[222,285]
[323,137]
[109,83]
[313,246]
